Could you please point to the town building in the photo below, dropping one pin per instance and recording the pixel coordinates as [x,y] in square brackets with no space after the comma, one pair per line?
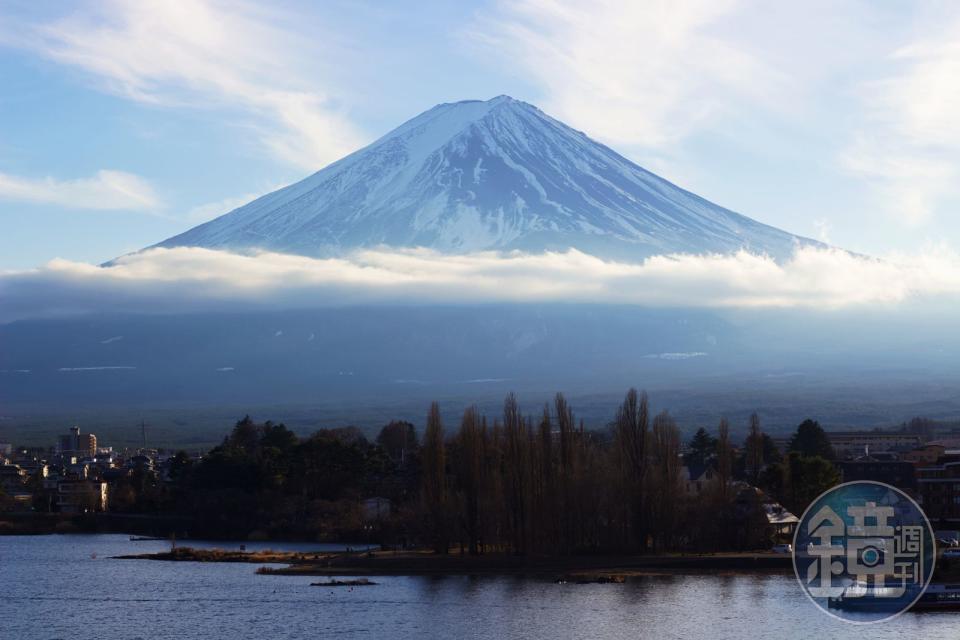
[781,523]
[926,455]
[854,444]
[13,477]
[887,468]
[782,443]
[76,444]
[696,478]
[79,495]
[375,509]
[939,491]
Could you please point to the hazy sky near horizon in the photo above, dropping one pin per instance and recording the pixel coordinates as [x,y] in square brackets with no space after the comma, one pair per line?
[124,122]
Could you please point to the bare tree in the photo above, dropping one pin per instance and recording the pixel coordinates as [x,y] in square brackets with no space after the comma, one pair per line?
[631,434]
[724,459]
[664,478]
[469,468]
[515,472]
[723,499]
[546,496]
[567,472]
[552,486]
[754,450]
[434,487]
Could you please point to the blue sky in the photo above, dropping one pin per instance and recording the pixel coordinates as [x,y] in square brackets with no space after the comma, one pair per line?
[125,122]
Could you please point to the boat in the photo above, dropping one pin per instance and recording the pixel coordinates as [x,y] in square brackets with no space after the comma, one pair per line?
[143,538]
[939,597]
[936,597]
[868,598]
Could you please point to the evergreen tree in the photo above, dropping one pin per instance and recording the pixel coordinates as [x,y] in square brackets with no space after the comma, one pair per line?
[806,478]
[399,440]
[811,440]
[700,448]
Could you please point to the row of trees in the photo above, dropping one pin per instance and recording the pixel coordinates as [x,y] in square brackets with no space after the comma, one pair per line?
[546,485]
[265,481]
[516,483]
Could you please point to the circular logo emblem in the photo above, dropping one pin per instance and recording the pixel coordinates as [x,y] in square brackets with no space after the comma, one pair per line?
[864,552]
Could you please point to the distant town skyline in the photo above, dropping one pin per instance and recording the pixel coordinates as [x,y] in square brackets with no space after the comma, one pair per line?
[123,123]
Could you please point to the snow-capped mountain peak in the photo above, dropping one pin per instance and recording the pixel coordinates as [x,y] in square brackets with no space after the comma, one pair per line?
[478,175]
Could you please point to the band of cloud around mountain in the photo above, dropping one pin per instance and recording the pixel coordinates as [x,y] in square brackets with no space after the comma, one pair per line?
[480,201]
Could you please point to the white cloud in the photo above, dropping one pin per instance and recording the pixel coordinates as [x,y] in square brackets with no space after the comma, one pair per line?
[230,56]
[111,190]
[185,279]
[873,88]
[209,211]
[107,368]
[676,355]
[824,228]
[907,140]
[639,73]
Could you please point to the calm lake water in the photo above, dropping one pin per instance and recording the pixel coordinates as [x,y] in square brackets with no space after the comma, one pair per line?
[68,587]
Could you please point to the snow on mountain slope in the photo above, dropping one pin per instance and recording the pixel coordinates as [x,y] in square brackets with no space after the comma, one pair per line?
[477,175]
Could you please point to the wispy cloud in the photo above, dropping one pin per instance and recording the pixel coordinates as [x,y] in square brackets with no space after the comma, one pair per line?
[824,227]
[201,279]
[907,140]
[642,73]
[109,190]
[873,88]
[251,64]
[210,210]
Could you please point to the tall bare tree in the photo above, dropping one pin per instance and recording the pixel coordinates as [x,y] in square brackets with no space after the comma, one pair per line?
[631,435]
[664,478]
[547,488]
[753,450]
[722,506]
[567,471]
[434,487]
[469,469]
[724,459]
[516,472]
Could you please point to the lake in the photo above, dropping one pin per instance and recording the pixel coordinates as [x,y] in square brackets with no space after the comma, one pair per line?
[69,587]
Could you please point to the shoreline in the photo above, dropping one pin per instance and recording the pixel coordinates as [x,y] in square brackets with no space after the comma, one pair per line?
[158,526]
[608,568]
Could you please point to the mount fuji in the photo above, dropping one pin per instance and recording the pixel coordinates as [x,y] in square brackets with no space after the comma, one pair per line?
[487,175]
[496,175]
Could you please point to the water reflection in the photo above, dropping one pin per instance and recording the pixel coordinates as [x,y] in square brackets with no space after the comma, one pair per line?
[53,588]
